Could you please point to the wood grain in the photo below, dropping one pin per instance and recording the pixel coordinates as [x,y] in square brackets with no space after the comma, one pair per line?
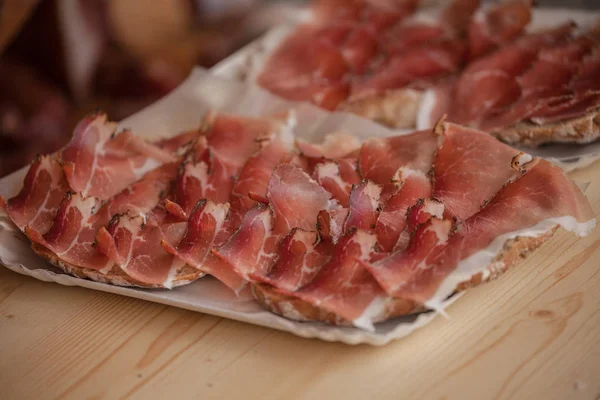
[532,334]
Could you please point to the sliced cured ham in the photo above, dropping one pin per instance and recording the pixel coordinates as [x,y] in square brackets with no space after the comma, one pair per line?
[465,181]
[392,220]
[334,146]
[550,199]
[394,273]
[43,189]
[423,272]
[135,246]
[294,202]
[204,230]
[72,235]
[381,158]
[254,177]
[533,91]
[329,176]
[497,24]
[296,199]
[300,257]
[330,224]
[98,163]
[419,64]
[343,286]
[364,207]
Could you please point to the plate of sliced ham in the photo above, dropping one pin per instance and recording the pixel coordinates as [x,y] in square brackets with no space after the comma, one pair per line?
[224,199]
[527,75]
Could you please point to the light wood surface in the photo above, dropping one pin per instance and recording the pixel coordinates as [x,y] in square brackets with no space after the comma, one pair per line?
[532,334]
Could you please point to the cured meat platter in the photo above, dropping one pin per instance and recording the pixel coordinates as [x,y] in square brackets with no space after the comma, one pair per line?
[248,64]
[179,111]
[328,211]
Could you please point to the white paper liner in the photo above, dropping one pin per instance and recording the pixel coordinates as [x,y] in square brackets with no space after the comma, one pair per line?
[182,110]
[248,62]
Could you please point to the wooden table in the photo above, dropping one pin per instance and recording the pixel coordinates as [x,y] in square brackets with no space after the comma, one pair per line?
[533,334]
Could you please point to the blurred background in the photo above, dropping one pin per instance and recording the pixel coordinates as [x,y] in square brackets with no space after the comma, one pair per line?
[60,59]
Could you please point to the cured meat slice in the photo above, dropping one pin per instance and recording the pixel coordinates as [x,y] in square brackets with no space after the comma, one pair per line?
[253,248]
[301,255]
[204,229]
[98,163]
[233,139]
[317,77]
[562,108]
[394,273]
[420,63]
[219,158]
[334,146]
[43,189]
[254,178]
[497,24]
[330,224]
[465,181]
[343,286]
[418,214]
[296,199]
[364,207]
[380,158]
[392,220]
[294,202]
[73,233]
[329,176]
[548,197]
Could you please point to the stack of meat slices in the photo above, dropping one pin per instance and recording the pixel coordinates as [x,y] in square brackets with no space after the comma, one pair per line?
[543,87]
[338,231]
[375,58]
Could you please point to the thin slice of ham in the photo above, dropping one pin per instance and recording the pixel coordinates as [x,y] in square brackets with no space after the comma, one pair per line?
[464,180]
[301,255]
[294,202]
[531,206]
[203,230]
[134,244]
[394,273]
[73,233]
[329,176]
[343,286]
[98,163]
[392,220]
[436,260]
[364,207]
[380,158]
[330,224]
[43,189]
[497,24]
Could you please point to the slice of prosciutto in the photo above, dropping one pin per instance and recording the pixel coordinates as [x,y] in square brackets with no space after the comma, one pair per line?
[380,158]
[300,256]
[100,163]
[43,189]
[329,175]
[294,202]
[134,244]
[364,207]
[464,180]
[343,286]
[497,24]
[392,220]
[204,230]
[72,235]
[527,207]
